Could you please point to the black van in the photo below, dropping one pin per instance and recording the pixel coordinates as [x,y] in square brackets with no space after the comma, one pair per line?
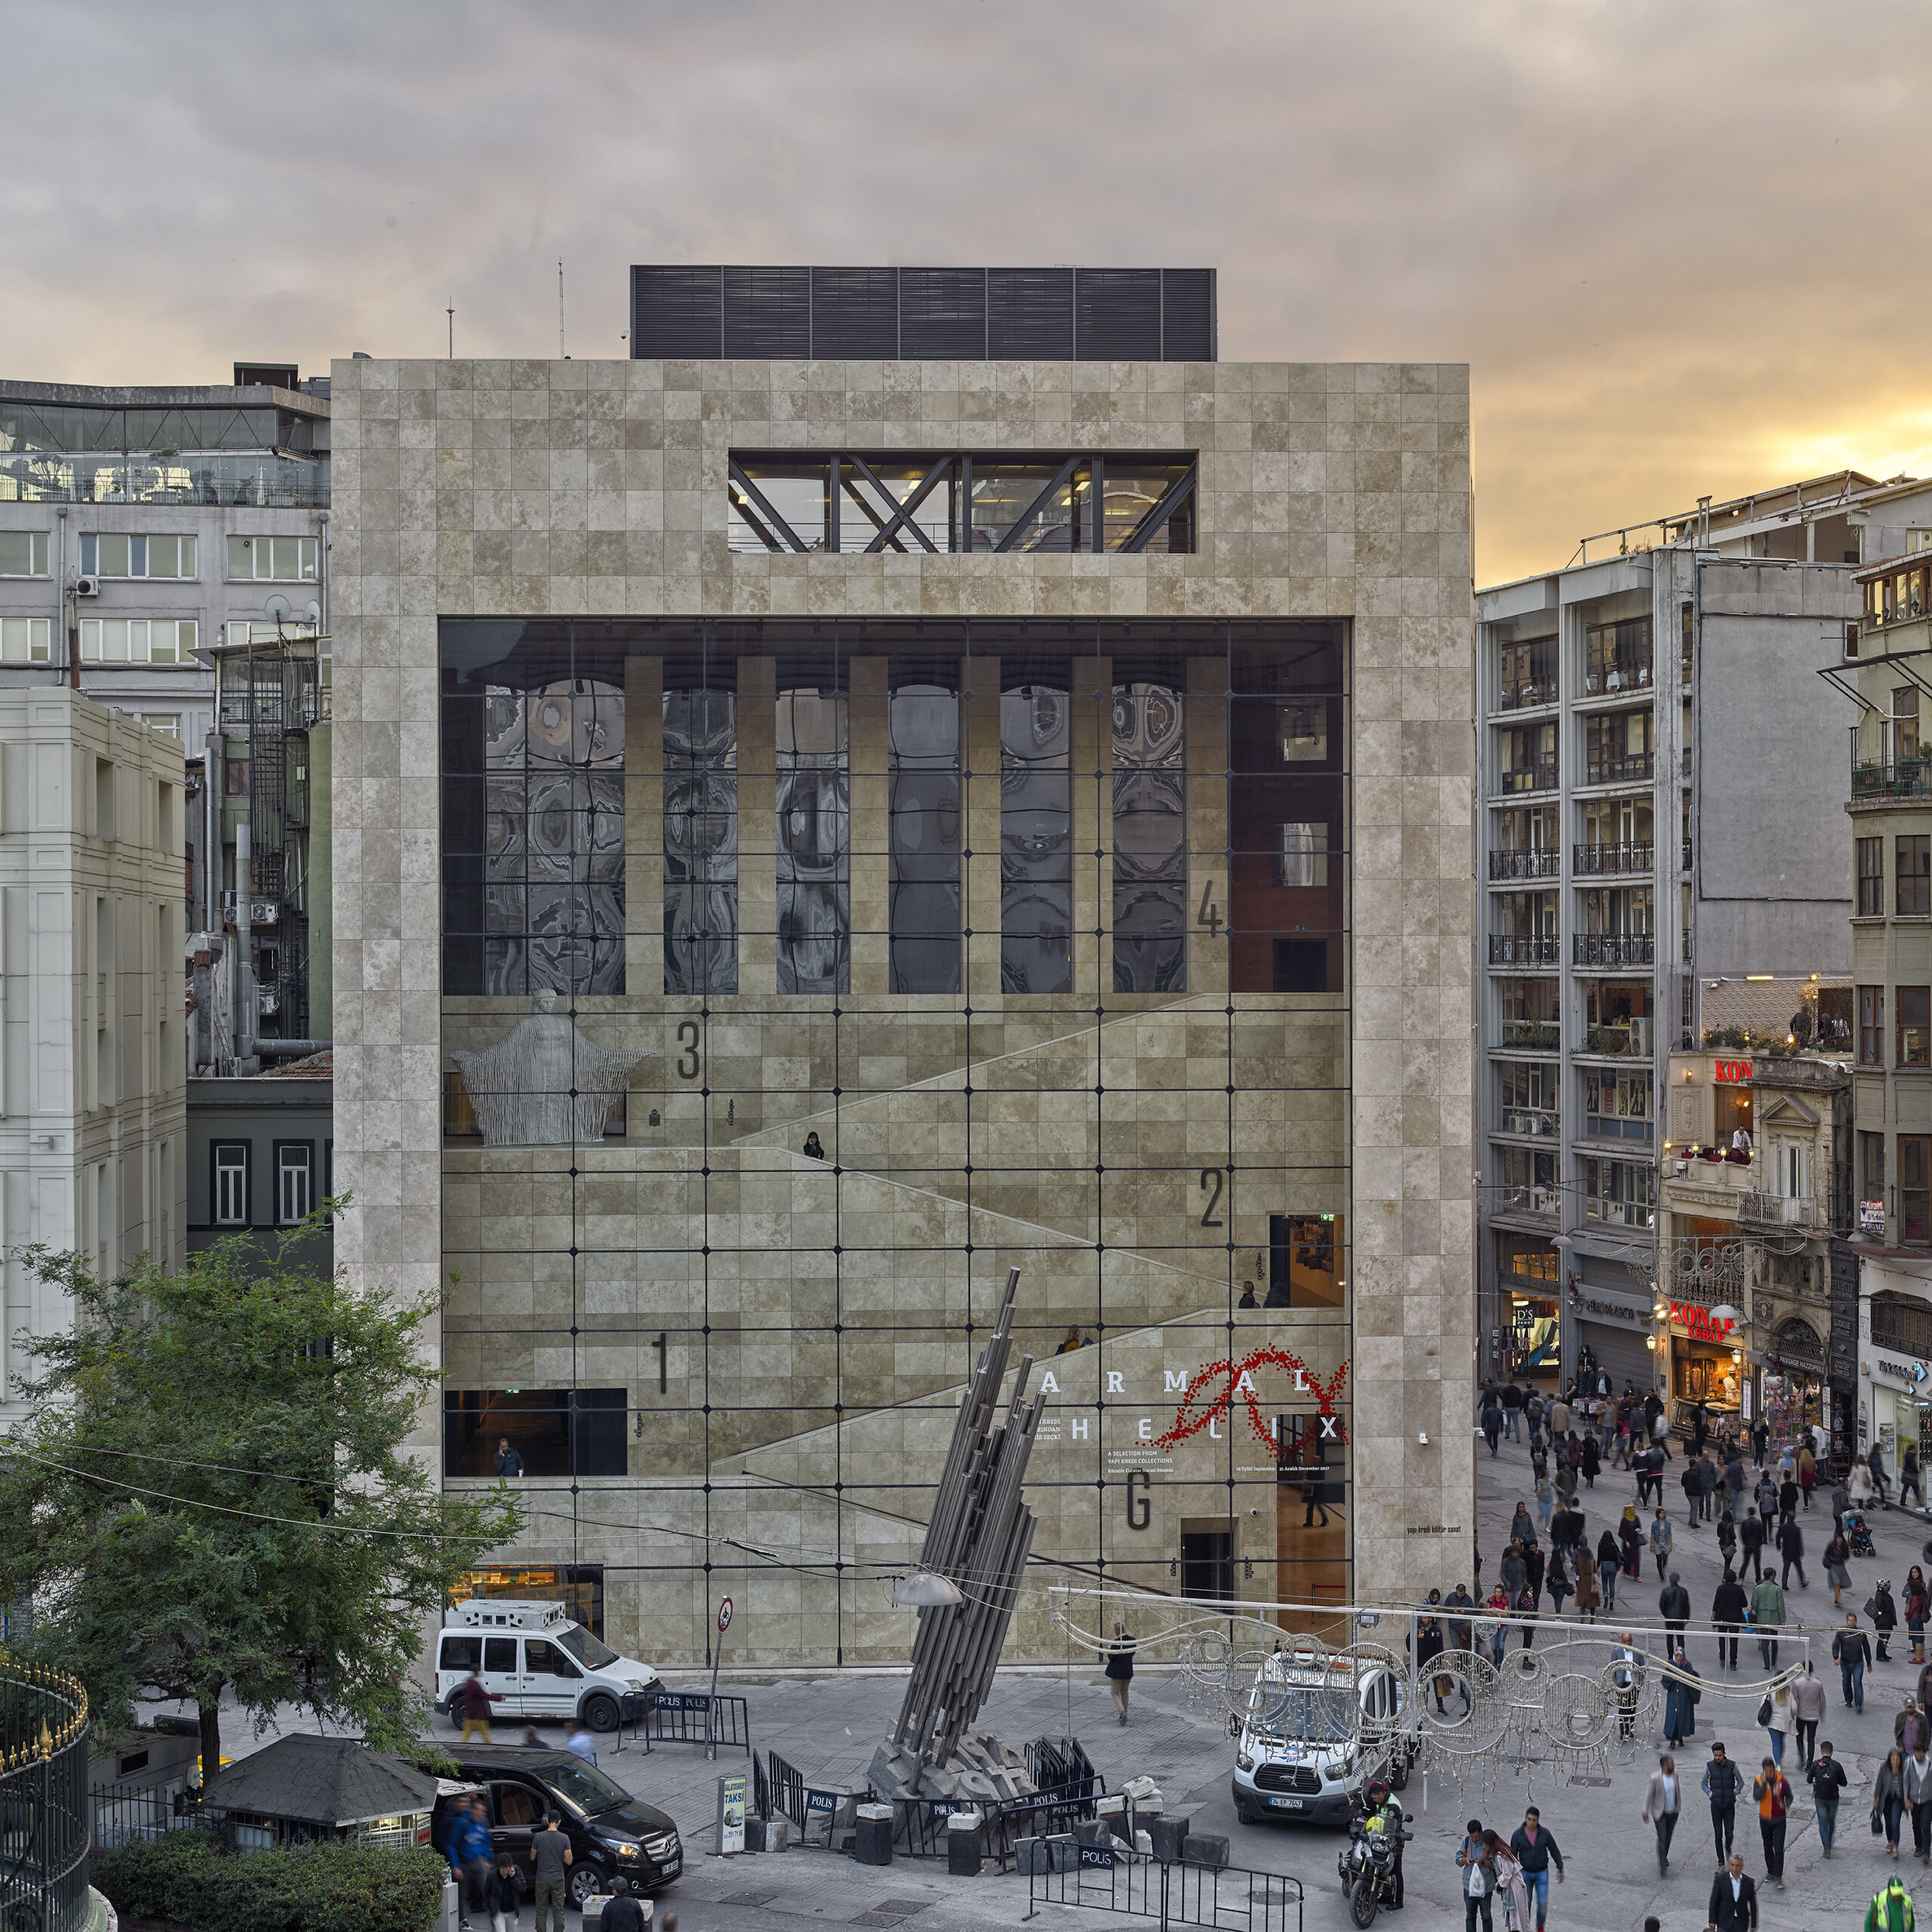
[618,1844]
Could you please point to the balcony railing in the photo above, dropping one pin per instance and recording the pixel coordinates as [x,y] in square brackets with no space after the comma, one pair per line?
[1631,768]
[1899,778]
[1627,1039]
[1546,864]
[1619,1213]
[1521,697]
[1782,1210]
[1543,950]
[1529,1200]
[1613,949]
[1529,1121]
[1540,1036]
[1530,777]
[1617,1127]
[1597,859]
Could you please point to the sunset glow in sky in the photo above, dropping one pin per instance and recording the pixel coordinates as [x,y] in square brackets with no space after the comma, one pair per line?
[1680,245]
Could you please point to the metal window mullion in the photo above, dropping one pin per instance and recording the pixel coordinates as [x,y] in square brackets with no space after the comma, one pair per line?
[758,496]
[1039,503]
[835,484]
[1172,498]
[1097,494]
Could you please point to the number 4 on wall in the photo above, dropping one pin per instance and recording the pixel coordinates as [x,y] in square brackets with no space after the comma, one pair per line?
[1208,914]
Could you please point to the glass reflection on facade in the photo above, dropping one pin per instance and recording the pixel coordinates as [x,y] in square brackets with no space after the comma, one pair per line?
[1150,838]
[1036,835]
[700,841]
[926,819]
[814,842]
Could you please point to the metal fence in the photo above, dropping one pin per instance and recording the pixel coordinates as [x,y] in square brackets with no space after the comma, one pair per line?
[819,1813]
[43,1799]
[120,1814]
[1106,1878]
[690,1717]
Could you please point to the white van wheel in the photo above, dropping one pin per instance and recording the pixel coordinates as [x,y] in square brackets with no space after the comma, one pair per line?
[601,1712]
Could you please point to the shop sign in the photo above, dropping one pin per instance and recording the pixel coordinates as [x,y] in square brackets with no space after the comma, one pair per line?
[1915,1373]
[1699,1322]
[1872,1219]
[1732,1072]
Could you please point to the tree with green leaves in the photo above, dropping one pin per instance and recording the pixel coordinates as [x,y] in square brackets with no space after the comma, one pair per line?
[212,1494]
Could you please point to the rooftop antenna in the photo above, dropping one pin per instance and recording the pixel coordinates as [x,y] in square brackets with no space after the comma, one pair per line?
[451,312]
[560,312]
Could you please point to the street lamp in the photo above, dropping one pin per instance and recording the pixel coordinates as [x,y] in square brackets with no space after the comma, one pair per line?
[926,1590]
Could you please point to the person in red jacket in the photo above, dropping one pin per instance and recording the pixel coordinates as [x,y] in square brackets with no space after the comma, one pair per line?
[470,1701]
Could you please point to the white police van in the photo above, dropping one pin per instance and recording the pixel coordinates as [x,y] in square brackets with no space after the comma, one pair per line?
[1317,1725]
[536,1663]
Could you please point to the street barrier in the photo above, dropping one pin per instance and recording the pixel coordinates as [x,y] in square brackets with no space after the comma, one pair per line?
[823,1816]
[690,1717]
[1106,1878]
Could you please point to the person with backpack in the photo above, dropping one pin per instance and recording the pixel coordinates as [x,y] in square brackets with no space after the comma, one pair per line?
[1827,1780]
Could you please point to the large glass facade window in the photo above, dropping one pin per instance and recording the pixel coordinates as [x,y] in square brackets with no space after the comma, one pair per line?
[731,1240]
[1036,832]
[1150,838]
[700,841]
[814,837]
[925,823]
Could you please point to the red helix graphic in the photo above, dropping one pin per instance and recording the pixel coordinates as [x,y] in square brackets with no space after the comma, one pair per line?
[1186,1424]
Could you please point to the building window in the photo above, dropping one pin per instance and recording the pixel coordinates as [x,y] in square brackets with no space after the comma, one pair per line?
[814,831]
[1528,673]
[22,553]
[1617,657]
[1914,1016]
[26,640]
[1616,1106]
[1150,836]
[283,559]
[925,823]
[1915,1186]
[1528,757]
[1913,860]
[107,555]
[1871,1026]
[294,1181]
[789,502]
[139,640]
[1871,1166]
[164,723]
[1870,878]
[1903,723]
[1617,747]
[228,1168]
[553,1432]
[701,840]
[1035,827]
[1616,1192]
[1903,1325]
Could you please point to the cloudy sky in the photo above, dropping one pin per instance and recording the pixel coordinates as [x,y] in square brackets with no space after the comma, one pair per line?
[1681,246]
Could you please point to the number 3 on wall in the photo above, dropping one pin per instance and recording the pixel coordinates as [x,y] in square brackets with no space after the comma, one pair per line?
[1212,1180]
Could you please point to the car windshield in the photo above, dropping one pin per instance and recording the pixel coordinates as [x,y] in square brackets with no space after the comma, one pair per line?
[1303,1710]
[584,1786]
[585,1647]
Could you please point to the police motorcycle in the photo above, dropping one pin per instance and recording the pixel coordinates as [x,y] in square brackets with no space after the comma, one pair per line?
[1369,1864]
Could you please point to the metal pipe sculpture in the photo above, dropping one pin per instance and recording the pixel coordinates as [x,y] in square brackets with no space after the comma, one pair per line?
[978,1539]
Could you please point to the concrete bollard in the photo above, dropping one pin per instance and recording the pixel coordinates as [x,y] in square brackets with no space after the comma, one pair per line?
[1169,1838]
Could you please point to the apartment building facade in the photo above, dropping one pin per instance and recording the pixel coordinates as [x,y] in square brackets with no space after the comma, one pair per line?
[824,816]
[149,535]
[93,1100]
[1660,817]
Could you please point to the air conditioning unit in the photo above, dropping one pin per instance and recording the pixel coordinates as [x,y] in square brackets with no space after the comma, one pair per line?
[263,913]
[86,586]
[1640,1036]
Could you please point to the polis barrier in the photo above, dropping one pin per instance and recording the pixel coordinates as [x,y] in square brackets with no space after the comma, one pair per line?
[1110,1878]
[688,1716]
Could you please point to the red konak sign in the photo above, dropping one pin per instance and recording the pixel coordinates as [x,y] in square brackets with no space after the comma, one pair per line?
[1699,1321]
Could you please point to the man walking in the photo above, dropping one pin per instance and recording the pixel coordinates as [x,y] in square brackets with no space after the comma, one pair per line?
[550,1858]
[1478,1878]
[1661,1536]
[470,1855]
[1827,1779]
[1891,1909]
[1719,1784]
[1768,1615]
[470,1701]
[1772,1789]
[1727,1613]
[1852,1653]
[1661,1801]
[1918,1795]
[1733,1906]
[1673,1607]
[1534,1849]
[1790,1547]
[1512,1412]
[1807,1705]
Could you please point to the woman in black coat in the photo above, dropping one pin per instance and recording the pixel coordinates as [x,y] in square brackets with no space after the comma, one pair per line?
[1591,1460]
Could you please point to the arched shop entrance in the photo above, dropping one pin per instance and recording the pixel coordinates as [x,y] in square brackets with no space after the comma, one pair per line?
[1794,1380]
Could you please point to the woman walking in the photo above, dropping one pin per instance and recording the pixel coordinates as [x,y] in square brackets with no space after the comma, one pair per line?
[1120,1668]
[1546,1500]
[1589,1593]
[1509,1886]
[1556,1580]
[1914,1611]
[1608,1563]
[1630,1534]
[1779,1723]
[1888,1798]
[1838,1553]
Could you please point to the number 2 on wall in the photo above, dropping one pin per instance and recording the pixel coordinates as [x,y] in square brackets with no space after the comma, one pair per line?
[1212,1177]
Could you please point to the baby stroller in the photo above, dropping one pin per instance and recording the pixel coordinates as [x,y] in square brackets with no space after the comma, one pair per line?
[1858,1533]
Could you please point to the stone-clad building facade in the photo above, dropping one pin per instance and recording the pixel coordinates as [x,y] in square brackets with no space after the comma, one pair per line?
[1101,910]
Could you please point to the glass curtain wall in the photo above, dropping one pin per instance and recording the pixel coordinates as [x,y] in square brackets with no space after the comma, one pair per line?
[800,978]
